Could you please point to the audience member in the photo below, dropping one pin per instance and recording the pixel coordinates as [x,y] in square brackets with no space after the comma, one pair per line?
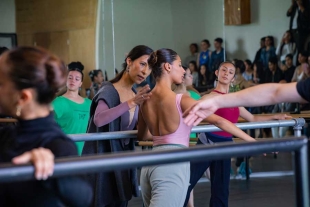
[258,53]
[267,52]
[299,22]
[300,72]
[205,53]
[97,79]
[194,71]
[287,46]
[194,54]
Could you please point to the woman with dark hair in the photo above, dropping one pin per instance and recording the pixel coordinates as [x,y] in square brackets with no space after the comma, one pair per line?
[286,47]
[239,82]
[194,71]
[115,108]
[258,53]
[248,73]
[161,118]
[97,79]
[203,76]
[204,56]
[274,74]
[300,72]
[268,52]
[194,54]
[29,79]
[72,110]
[258,72]
[220,169]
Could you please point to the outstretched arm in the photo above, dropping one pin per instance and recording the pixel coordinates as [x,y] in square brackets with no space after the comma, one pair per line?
[218,121]
[228,127]
[253,118]
[262,95]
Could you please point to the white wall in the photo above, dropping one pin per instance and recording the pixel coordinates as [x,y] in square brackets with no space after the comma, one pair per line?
[268,18]
[7,16]
[194,21]
[136,22]
[177,23]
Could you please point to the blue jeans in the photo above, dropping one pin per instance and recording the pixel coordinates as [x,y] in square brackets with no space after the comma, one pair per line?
[220,175]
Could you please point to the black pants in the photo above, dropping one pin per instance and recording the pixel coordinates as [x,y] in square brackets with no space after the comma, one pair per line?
[300,39]
[220,177]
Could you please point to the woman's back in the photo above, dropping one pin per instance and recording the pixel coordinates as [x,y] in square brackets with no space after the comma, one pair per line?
[167,125]
[161,113]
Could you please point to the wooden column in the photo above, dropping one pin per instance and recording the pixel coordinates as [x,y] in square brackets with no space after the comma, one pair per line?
[237,12]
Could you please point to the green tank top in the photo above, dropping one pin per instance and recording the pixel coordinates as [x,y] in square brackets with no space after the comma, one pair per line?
[72,117]
[195,96]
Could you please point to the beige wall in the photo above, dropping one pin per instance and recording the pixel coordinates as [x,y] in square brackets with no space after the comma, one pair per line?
[65,27]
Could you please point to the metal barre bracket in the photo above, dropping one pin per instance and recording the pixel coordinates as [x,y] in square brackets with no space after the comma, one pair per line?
[299,123]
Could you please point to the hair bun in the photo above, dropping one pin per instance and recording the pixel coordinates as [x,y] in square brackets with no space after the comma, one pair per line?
[55,73]
[76,65]
[153,59]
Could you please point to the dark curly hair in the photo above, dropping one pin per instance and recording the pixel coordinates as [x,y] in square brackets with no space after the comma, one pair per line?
[76,66]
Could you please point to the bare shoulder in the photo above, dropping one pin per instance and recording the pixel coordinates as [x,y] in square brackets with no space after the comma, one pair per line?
[187,102]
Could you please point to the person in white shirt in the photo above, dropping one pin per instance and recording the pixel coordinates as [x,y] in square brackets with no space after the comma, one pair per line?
[286,47]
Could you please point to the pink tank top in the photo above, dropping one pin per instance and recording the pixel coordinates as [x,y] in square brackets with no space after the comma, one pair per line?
[181,135]
[231,114]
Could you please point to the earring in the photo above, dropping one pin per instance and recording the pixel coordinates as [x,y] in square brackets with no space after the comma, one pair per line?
[216,79]
[18,110]
[128,70]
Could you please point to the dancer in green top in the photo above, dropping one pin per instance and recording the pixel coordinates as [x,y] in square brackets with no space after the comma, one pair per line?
[71,110]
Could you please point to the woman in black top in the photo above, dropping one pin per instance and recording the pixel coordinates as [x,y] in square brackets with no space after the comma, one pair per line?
[29,79]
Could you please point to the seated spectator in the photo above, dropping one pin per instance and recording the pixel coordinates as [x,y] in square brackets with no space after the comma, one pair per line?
[194,71]
[258,72]
[248,73]
[202,76]
[258,53]
[274,74]
[194,54]
[239,82]
[287,46]
[300,72]
[267,52]
[288,68]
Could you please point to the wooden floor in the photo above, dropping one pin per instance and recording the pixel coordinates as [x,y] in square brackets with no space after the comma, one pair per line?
[266,188]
